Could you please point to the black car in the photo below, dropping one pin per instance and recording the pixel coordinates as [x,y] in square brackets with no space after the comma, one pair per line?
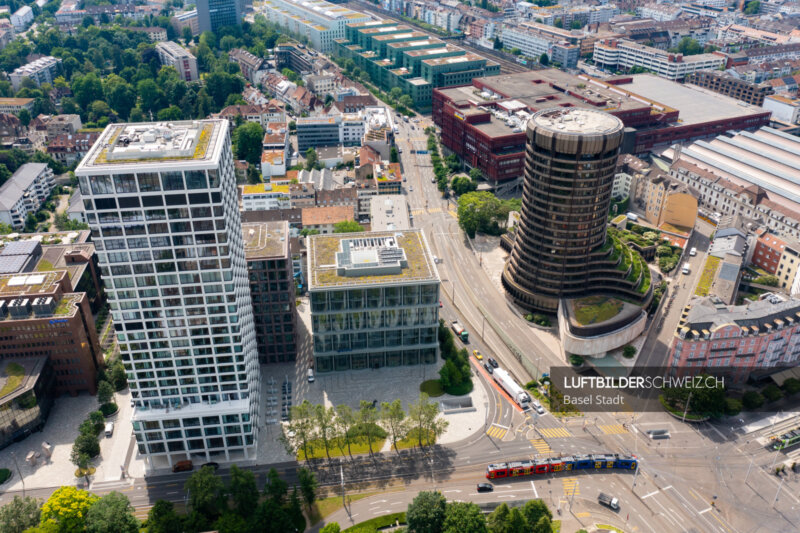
[488,368]
[485,487]
[212,464]
[493,362]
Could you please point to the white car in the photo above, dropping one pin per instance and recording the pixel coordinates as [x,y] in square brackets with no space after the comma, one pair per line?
[693,252]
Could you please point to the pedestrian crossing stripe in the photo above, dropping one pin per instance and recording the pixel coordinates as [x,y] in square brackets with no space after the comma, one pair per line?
[613,429]
[453,213]
[570,486]
[541,446]
[435,210]
[583,515]
[497,432]
[555,433]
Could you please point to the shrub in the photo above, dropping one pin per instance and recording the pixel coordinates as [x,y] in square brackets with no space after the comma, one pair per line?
[5,473]
[575,360]
[628,351]
[733,406]
[791,386]
[771,393]
[109,408]
[752,400]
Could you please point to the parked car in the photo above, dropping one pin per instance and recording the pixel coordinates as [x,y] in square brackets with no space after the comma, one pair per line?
[693,252]
[182,466]
[211,464]
[493,362]
[485,487]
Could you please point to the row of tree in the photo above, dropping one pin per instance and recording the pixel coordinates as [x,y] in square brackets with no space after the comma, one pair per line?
[484,212]
[319,428]
[455,376]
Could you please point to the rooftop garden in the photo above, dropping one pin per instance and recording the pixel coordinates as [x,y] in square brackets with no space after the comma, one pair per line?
[14,372]
[707,277]
[595,309]
[64,306]
[681,230]
[637,234]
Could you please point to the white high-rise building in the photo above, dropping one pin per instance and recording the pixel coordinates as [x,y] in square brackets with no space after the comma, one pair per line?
[161,201]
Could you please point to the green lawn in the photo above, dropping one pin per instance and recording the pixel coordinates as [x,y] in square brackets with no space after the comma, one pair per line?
[432,388]
[412,440]
[609,528]
[15,373]
[709,270]
[327,506]
[377,523]
[595,309]
[358,446]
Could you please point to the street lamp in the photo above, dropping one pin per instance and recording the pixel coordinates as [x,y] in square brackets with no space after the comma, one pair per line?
[22,479]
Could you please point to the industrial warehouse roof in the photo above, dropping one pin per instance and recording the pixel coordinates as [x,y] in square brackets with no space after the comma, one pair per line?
[324,251]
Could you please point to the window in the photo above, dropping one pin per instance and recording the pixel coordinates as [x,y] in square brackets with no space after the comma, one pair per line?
[125,183]
[101,184]
[173,181]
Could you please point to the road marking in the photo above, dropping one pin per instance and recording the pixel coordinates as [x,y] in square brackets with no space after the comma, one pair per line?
[453,490]
[508,496]
[570,485]
[453,213]
[613,429]
[555,433]
[583,515]
[173,492]
[415,212]
[497,431]
[667,487]
[704,511]
[541,446]
[651,494]
[535,494]
[396,503]
[435,210]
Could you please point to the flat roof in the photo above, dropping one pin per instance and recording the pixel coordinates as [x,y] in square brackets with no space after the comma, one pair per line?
[577,121]
[31,283]
[695,104]
[18,376]
[322,257]
[265,239]
[53,258]
[452,60]
[174,144]
[389,212]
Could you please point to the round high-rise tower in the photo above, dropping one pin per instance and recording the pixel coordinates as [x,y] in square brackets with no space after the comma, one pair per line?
[560,248]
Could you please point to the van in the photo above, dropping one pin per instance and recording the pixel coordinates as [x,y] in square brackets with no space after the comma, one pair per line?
[182,466]
[109,429]
[685,269]
[693,252]
[310,375]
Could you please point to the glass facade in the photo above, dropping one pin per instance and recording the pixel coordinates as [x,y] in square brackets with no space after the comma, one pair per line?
[21,414]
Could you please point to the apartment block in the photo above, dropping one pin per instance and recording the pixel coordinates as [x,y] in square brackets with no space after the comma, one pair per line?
[162,203]
[22,18]
[186,19]
[617,54]
[768,252]
[272,289]
[783,109]
[724,83]
[24,192]
[174,55]
[534,44]
[14,105]
[374,300]
[43,70]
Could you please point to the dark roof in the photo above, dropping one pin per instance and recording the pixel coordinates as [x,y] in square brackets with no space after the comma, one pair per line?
[21,248]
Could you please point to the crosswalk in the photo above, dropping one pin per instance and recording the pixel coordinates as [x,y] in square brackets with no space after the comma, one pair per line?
[555,433]
[435,210]
[415,212]
[142,512]
[613,429]
[541,446]
[453,213]
[571,487]
[497,431]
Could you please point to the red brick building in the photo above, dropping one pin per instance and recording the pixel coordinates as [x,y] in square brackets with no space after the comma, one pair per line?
[768,251]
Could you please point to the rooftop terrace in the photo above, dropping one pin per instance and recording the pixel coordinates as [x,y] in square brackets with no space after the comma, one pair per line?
[265,239]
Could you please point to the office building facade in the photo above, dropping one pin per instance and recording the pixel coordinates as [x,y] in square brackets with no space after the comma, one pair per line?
[215,14]
[374,300]
[161,201]
[560,248]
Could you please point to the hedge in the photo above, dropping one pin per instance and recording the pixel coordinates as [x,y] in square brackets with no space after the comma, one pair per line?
[375,524]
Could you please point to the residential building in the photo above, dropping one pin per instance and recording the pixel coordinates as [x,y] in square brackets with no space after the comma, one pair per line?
[75,210]
[617,54]
[789,268]
[46,302]
[22,18]
[212,15]
[196,395]
[778,52]
[24,192]
[737,33]
[68,148]
[186,19]
[534,44]
[15,105]
[156,34]
[42,70]
[658,12]
[374,300]
[24,407]
[724,83]
[63,125]
[269,265]
[746,174]
[557,255]
[302,195]
[319,21]
[329,130]
[667,201]
[265,196]
[354,103]
[324,219]
[783,109]
[253,68]
[389,213]
[174,55]
[6,36]
[737,340]
[288,55]
[263,114]
[768,252]
[321,84]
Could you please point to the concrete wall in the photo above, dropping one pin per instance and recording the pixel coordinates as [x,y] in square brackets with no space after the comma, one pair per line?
[600,344]
[680,209]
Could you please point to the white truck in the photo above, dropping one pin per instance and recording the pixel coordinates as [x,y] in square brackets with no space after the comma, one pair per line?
[517,393]
[608,501]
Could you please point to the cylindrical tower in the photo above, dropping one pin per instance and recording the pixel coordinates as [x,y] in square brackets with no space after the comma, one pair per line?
[558,251]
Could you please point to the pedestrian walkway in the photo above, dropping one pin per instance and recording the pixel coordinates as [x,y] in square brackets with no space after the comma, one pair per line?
[570,485]
[613,429]
[555,433]
[497,431]
[541,446]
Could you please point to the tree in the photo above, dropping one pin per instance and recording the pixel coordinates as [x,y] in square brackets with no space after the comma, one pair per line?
[206,492]
[302,426]
[752,7]
[24,117]
[688,47]
[558,23]
[220,84]
[324,420]
[231,522]
[791,386]
[426,513]
[393,157]
[461,517]
[87,89]
[395,93]
[462,185]
[19,514]
[295,512]
[248,139]
[65,510]
[170,113]
[253,175]
[516,51]
[479,211]
[393,418]
[367,416]
[104,392]
[111,514]
[333,527]
[544,59]
[424,420]
[186,33]
[534,510]
[118,376]
[767,279]
[344,421]
[311,159]
[576,25]
[150,94]
[305,232]
[475,174]
[87,444]
[406,101]
[544,525]
[308,484]
[162,518]
[243,490]
[771,393]
[628,351]
[276,488]
[449,375]
[347,226]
